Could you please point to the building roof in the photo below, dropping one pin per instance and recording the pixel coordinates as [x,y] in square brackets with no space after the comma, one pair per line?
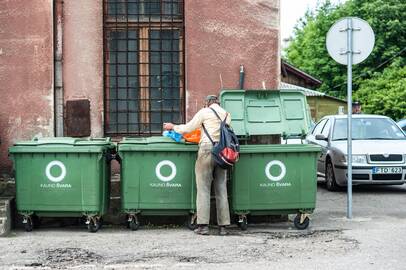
[286,67]
[307,92]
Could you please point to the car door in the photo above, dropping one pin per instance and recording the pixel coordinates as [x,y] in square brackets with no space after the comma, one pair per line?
[316,130]
[321,163]
[311,138]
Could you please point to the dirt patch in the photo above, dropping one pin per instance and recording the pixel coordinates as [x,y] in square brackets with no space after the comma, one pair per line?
[306,243]
[61,258]
[295,234]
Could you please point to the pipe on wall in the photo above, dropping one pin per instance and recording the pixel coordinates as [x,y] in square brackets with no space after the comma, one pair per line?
[242,77]
[58,67]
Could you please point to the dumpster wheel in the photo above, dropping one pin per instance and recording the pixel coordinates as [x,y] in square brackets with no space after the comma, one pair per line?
[36,221]
[191,222]
[93,224]
[133,222]
[28,224]
[301,221]
[242,222]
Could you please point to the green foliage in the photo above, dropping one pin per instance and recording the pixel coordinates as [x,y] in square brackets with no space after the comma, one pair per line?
[308,51]
[385,93]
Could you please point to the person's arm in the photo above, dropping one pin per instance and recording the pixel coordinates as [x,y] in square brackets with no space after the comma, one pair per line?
[228,120]
[193,124]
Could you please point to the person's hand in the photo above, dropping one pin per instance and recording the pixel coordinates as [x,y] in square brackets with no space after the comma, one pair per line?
[168,126]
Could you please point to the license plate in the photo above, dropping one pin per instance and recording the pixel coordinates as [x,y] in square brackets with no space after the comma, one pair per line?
[386,170]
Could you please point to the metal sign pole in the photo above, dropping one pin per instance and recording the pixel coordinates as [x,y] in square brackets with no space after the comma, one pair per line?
[349,42]
[349,121]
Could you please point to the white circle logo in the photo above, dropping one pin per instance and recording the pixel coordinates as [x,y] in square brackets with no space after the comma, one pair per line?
[48,171]
[158,170]
[268,170]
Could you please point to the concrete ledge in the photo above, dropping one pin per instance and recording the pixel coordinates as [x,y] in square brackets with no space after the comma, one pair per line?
[5,216]
[7,188]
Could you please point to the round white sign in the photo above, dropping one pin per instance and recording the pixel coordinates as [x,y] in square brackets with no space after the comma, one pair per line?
[363,40]
[268,170]
[158,170]
[55,178]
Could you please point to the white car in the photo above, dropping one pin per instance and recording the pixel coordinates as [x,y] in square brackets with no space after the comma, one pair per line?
[378,149]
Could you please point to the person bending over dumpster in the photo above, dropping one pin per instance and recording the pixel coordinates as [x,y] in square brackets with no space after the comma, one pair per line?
[205,168]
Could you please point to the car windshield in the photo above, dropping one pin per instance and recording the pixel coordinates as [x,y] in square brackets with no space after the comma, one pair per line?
[368,129]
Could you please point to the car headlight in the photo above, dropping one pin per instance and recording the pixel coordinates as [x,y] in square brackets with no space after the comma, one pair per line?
[361,159]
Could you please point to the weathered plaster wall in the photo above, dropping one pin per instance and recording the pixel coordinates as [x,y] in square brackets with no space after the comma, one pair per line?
[83,57]
[26,73]
[221,35]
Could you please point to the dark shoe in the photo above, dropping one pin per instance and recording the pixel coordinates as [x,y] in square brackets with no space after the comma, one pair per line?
[223,230]
[202,230]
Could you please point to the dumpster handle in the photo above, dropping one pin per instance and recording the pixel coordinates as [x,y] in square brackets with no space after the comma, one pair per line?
[107,139]
[301,136]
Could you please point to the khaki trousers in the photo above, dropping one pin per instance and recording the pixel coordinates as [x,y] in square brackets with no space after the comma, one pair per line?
[206,173]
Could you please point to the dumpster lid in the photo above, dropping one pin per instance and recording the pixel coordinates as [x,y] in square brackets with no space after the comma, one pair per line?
[155,143]
[50,141]
[148,140]
[279,148]
[267,112]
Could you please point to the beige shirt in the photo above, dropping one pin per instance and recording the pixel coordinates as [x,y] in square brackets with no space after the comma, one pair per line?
[207,117]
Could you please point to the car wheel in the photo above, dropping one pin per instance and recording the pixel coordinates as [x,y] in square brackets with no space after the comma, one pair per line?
[331,183]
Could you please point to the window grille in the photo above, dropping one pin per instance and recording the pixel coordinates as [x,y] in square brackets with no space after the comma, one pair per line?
[144,65]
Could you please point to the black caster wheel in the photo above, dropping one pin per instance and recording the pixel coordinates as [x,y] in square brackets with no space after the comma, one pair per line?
[191,222]
[133,223]
[127,223]
[100,223]
[94,225]
[28,224]
[243,223]
[303,225]
[36,220]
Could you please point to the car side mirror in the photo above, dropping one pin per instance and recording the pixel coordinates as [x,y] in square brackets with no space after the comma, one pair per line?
[321,137]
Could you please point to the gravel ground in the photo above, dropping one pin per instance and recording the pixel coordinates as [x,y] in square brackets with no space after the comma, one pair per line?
[373,239]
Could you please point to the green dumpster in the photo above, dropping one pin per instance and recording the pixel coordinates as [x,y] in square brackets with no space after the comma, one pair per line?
[62,177]
[157,178]
[272,179]
[275,179]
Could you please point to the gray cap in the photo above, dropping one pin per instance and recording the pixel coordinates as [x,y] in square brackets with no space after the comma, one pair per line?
[211,97]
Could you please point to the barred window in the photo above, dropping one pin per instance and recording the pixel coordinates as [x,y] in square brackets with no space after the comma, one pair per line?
[144,65]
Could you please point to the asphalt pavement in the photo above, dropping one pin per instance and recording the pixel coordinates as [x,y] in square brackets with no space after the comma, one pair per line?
[374,239]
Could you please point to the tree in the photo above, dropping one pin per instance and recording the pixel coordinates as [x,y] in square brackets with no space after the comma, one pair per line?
[307,49]
[385,93]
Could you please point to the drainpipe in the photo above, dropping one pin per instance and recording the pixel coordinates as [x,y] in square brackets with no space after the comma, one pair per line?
[242,75]
[58,64]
